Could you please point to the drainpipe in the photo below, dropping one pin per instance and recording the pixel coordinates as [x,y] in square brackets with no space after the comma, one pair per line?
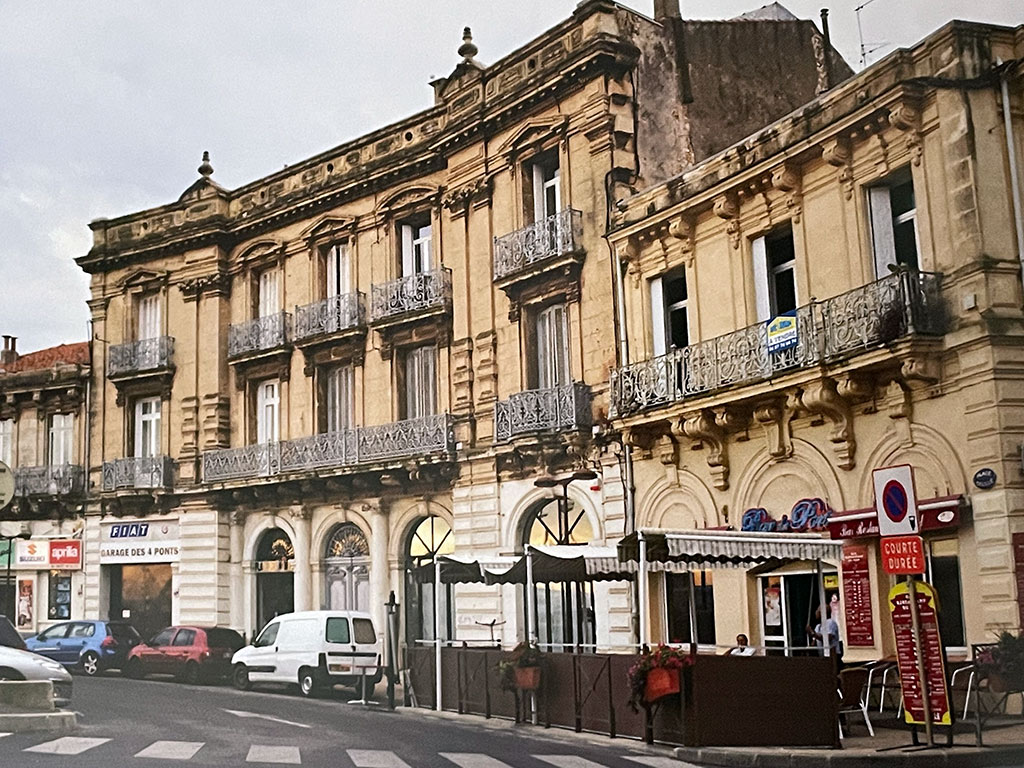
[627,450]
[437,633]
[1011,153]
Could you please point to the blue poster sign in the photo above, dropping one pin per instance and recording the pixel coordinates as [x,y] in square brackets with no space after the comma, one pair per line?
[782,332]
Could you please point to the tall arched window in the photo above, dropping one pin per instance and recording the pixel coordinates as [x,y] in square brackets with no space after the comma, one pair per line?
[347,569]
[429,538]
[565,610]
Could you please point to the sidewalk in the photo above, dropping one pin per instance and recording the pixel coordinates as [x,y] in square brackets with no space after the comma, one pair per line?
[1004,746]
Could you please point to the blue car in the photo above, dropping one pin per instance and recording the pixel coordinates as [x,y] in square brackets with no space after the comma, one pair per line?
[88,646]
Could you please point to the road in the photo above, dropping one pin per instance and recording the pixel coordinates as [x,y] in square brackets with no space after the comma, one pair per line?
[150,722]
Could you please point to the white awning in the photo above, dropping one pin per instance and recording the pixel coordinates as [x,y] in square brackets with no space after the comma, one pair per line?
[722,548]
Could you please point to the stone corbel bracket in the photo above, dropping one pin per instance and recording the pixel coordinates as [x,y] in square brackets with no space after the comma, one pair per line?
[684,229]
[838,153]
[702,428]
[906,116]
[787,178]
[822,397]
[727,207]
[774,417]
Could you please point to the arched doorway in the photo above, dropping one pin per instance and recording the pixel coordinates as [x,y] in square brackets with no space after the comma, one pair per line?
[347,567]
[430,537]
[564,610]
[275,581]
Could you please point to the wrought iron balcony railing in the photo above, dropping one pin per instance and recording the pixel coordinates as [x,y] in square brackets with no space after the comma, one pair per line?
[262,334]
[345,448]
[557,235]
[560,409]
[51,480]
[903,304]
[410,295]
[138,472]
[330,316]
[140,356]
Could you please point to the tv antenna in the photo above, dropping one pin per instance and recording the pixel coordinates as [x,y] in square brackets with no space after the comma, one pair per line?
[865,48]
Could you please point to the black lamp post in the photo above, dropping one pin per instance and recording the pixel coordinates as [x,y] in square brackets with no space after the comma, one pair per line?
[12,608]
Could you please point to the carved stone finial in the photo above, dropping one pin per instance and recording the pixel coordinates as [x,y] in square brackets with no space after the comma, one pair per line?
[468,50]
[205,169]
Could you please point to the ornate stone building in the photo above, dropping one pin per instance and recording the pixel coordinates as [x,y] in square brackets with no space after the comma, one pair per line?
[316,382]
[44,440]
[840,291]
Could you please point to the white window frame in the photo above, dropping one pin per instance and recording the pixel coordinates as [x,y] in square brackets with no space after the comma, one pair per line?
[417,256]
[147,426]
[421,382]
[7,441]
[547,178]
[338,270]
[268,411]
[340,398]
[883,226]
[268,293]
[61,439]
[148,317]
[765,277]
[552,342]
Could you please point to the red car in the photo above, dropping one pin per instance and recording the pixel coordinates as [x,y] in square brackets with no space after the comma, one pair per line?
[192,654]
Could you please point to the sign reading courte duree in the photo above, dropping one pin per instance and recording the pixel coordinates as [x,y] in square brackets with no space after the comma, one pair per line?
[156,541]
[931,646]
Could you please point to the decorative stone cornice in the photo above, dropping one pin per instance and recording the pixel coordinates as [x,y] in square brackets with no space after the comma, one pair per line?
[217,284]
[702,427]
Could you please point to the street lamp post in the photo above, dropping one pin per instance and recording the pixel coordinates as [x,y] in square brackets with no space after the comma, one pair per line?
[9,540]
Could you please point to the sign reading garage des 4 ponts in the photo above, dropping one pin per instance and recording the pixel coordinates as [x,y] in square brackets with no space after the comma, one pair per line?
[140,541]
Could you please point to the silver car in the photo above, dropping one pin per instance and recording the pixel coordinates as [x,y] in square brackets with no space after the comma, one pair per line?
[16,664]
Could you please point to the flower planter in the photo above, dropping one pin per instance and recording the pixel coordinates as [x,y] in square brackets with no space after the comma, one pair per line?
[527,678]
[661,682]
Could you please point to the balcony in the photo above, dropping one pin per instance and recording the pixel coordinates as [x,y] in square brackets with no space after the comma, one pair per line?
[57,480]
[560,409]
[533,249]
[145,356]
[411,297]
[138,473]
[330,319]
[901,305]
[333,450]
[259,336]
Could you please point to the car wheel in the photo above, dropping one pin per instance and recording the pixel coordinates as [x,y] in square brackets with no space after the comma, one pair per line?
[133,669]
[240,678]
[90,663]
[10,674]
[190,673]
[309,685]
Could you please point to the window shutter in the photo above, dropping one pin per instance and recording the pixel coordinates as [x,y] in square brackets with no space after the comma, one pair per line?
[543,341]
[408,257]
[268,290]
[425,262]
[882,240]
[553,200]
[761,289]
[332,272]
[412,385]
[347,397]
[139,427]
[267,401]
[538,192]
[6,441]
[61,439]
[429,381]
[658,333]
[149,317]
[560,346]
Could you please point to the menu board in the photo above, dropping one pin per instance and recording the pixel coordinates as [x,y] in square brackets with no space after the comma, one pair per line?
[860,628]
[931,646]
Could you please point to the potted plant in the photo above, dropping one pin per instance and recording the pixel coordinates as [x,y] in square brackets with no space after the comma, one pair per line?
[1002,663]
[656,675]
[520,668]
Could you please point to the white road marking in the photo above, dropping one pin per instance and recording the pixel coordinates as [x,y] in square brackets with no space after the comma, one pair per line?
[568,761]
[171,750]
[4,734]
[271,718]
[654,761]
[473,760]
[67,745]
[259,753]
[375,758]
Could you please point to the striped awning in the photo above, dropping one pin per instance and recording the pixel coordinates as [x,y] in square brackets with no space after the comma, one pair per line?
[722,548]
[567,562]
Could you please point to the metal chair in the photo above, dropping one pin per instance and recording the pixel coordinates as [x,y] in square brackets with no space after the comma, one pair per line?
[853,695]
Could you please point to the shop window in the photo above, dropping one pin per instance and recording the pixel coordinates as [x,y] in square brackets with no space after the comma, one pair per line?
[775,274]
[268,405]
[679,588]
[416,235]
[268,296]
[418,386]
[7,441]
[338,403]
[544,195]
[59,596]
[147,317]
[893,213]
[337,271]
[430,538]
[944,575]
[61,439]
[147,427]
[670,315]
[551,348]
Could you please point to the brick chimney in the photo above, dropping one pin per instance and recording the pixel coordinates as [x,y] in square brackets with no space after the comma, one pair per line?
[666,9]
[10,351]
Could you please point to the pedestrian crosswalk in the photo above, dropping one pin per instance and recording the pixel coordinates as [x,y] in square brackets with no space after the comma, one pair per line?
[292,754]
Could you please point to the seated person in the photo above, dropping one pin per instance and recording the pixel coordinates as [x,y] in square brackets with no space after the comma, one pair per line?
[743,647]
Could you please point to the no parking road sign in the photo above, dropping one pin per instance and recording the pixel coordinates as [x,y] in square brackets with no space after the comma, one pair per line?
[895,500]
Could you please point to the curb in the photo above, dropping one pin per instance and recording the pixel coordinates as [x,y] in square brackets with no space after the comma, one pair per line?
[932,758]
[55,722]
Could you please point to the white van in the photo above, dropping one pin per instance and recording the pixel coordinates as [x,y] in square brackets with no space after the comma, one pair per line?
[315,650]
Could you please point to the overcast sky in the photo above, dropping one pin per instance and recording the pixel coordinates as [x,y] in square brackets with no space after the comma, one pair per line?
[106,106]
